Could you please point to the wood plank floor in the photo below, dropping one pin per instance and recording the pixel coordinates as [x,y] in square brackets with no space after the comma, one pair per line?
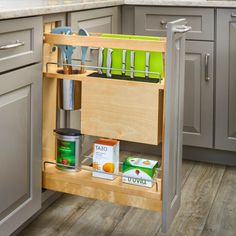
[208,207]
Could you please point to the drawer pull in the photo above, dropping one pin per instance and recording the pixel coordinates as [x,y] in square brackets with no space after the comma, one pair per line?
[183,29]
[163,23]
[233,14]
[12,45]
[207,57]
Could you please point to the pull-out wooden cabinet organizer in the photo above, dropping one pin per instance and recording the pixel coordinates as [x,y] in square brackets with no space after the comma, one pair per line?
[141,112]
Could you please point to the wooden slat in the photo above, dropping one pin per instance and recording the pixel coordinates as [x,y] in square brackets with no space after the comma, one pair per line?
[83,184]
[96,41]
[49,118]
[123,110]
[138,222]
[49,101]
[187,167]
[222,218]
[100,219]
[58,217]
[52,73]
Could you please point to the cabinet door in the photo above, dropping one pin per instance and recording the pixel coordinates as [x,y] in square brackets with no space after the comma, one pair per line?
[198,102]
[225,130]
[99,21]
[107,20]
[20,145]
[173,128]
[153,20]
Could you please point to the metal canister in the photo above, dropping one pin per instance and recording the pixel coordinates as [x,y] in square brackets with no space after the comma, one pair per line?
[69,93]
[68,148]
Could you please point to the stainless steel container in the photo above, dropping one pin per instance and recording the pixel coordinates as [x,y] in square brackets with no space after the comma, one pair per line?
[68,148]
[69,92]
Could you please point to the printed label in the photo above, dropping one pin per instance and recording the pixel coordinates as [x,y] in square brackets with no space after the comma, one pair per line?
[66,153]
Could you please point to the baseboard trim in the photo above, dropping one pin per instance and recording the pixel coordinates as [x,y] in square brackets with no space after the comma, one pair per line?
[209,155]
[189,153]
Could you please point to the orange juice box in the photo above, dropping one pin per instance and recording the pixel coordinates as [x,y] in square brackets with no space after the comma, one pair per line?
[106,158]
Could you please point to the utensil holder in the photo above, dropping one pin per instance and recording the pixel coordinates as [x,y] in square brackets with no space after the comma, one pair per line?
[69,91]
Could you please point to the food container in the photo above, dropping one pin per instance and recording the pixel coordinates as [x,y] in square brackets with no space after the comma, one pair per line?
[106,158]
[68,148]
[139,171]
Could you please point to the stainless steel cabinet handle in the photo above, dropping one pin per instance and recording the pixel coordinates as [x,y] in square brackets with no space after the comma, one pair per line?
[12,45]
[233,14]
[207,57]
[163,23]
[183,29]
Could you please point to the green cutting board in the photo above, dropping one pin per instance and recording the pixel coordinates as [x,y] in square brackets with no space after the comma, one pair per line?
[155,64]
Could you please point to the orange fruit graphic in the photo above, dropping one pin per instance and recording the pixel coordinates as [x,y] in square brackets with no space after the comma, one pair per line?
[109,167]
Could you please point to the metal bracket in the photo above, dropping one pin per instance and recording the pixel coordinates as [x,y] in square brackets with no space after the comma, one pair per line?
[182,29]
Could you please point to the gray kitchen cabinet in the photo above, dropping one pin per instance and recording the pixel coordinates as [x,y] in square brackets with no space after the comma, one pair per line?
[107,20]
[20,42]
[153,21]
[20,145]
[199,67]
[225,126]
[198,103]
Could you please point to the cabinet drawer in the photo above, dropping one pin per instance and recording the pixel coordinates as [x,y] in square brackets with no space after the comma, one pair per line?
[20,42]
[152,21]
[124,110]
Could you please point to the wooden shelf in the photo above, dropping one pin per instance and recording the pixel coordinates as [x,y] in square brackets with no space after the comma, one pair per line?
[99,41]
[52,73]
[82,183]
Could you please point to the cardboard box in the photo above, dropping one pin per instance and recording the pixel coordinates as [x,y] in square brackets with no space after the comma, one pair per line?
[106,158]
[139,171]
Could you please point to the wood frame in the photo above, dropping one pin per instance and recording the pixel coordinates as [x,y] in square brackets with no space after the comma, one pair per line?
[95,40]
[171,119]
[82,183]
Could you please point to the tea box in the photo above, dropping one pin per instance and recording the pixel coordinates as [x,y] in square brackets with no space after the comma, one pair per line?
[106,158]
[139,171]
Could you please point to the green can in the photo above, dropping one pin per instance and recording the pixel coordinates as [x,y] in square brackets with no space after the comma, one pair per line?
[68,148]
